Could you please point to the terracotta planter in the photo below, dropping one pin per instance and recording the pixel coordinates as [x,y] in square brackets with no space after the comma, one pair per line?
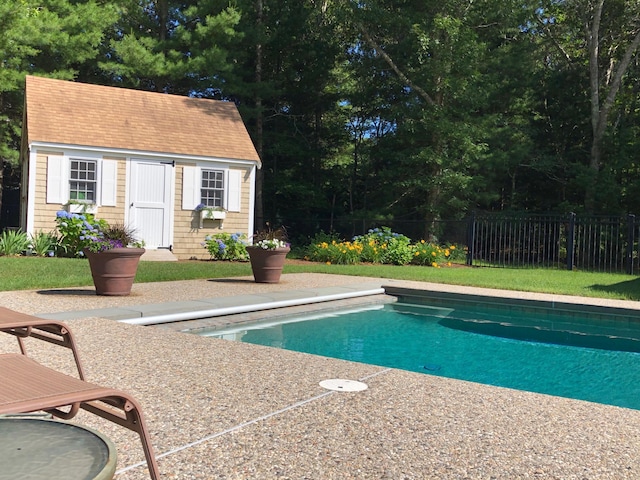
[114,270]
[267,264]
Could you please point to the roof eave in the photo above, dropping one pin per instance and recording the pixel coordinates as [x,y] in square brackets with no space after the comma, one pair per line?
[140,153]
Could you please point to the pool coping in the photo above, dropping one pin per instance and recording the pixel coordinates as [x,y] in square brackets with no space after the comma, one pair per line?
[328,297]
[218,306]
[546,306]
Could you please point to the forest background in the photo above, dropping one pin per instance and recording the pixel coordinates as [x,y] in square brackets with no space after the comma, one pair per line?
[369,112]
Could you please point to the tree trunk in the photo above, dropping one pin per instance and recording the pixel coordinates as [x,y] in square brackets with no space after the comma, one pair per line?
[259,131]
[1,187]
[162,10]
[593,44]
[600,110]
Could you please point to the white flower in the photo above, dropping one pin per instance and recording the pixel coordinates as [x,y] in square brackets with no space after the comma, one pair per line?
[271,244]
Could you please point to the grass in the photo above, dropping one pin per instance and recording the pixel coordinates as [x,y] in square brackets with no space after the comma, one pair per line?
[33,273]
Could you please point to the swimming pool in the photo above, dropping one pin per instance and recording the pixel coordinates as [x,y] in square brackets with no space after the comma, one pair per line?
[593,358]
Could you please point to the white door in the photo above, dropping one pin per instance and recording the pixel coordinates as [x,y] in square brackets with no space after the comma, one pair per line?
[150,202]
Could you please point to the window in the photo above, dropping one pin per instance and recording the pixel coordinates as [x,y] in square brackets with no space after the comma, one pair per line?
[83,180]
[212,189]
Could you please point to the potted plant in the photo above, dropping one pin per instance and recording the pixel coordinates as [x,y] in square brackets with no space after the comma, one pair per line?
[267,254]
[112,250]
[113,257]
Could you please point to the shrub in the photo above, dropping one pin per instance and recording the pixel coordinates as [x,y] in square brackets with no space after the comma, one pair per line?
[317,251]
[77,232]
[13,242]
[381,245]
[430,254]
[341,253]
[44,244]
[226,246]
[372,251]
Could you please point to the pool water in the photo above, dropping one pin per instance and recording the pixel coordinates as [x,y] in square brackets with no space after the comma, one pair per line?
[559,356]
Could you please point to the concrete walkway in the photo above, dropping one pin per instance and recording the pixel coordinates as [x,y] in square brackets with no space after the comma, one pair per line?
[225,410]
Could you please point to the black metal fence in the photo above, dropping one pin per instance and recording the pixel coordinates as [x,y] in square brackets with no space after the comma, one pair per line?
[594,243]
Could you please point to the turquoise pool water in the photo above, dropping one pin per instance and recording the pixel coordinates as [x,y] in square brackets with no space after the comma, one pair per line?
[595,360]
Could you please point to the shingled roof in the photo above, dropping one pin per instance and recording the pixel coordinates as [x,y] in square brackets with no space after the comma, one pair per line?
[82,114]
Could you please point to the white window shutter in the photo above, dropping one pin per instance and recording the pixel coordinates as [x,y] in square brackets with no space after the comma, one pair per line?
[109,185]
[234,188]
[190,187]
[57,187]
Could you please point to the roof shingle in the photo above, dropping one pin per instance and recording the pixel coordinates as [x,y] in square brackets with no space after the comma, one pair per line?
[97,116]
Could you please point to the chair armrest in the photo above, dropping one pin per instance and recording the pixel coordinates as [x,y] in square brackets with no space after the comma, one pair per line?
[22,326]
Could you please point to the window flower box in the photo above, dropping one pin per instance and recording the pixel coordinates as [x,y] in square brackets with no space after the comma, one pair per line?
[207,214]
[81,208]
[210,213]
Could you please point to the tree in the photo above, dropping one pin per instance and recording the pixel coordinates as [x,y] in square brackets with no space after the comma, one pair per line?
[48,37]
[431,62]
[609,43]
[281,84]
[172,47]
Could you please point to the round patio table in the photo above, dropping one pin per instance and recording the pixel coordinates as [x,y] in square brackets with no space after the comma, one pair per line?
[36,448]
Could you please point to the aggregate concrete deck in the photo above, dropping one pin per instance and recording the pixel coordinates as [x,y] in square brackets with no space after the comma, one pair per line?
[226,410]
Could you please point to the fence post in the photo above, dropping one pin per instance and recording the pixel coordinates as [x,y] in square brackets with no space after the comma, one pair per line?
[631,233]
[571,238]
[471,238]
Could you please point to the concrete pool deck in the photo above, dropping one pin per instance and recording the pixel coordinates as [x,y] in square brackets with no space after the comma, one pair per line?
[226,410]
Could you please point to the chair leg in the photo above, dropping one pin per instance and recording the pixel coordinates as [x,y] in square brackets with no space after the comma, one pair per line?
[129,416]
[135,418]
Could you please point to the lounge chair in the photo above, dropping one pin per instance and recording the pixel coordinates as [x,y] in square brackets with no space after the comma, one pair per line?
[27,386]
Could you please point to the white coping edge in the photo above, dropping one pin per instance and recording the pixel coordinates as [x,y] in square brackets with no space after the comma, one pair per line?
[217,312]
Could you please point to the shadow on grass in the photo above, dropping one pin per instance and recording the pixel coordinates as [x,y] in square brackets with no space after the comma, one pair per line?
[629,289]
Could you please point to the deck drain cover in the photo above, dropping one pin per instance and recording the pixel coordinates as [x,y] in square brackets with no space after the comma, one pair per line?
[341,385]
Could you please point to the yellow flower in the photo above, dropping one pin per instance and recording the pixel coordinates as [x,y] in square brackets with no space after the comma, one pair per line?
[417,254]
[447,253]
[433,254]
[434,264]
[328,263]
[422,241]
[452,247]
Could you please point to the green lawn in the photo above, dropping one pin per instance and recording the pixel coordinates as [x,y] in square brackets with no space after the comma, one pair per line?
[26,273]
